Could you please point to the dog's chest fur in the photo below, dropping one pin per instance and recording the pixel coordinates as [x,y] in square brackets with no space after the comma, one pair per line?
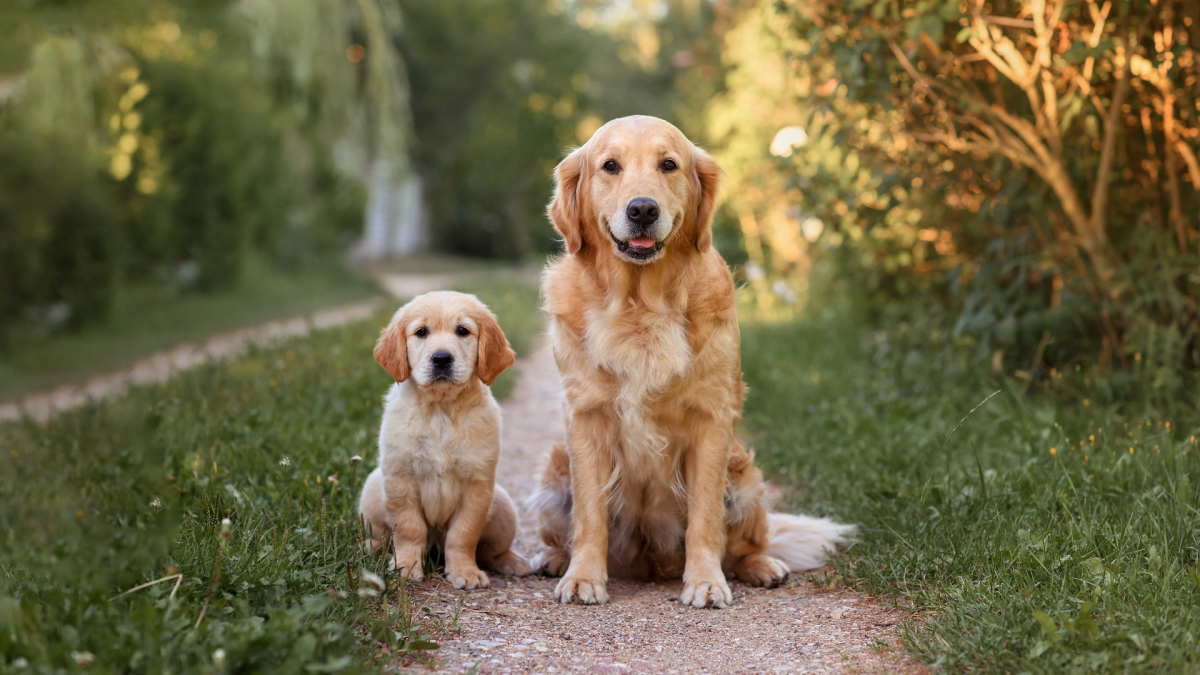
[441,447]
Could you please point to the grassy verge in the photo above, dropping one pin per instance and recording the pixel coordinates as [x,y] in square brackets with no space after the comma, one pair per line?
[108,498]
[148,319]
[1045,533]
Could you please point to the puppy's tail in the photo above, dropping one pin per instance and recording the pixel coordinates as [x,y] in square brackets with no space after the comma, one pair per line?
[804,542]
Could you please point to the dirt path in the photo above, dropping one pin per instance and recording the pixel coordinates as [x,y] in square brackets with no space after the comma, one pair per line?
[163,365]
[516,627]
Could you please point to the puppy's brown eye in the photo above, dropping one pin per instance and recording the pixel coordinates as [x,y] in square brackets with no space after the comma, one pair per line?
[421,332]
[669,165]
[462,331]
[611,166]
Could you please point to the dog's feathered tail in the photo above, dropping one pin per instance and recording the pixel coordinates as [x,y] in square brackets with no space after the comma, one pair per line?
[804,542]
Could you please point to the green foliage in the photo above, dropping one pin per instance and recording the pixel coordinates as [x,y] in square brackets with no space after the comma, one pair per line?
[104,499]
[221,187]
[1053,533]
[968,155]
[157,146]
[56,253]
[501,88]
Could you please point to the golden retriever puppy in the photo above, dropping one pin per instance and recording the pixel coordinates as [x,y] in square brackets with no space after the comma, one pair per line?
[439,442]
[645,334]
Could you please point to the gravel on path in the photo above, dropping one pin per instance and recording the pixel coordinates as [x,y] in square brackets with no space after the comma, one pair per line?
[516,627]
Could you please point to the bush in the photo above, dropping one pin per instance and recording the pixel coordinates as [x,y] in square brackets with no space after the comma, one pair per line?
[1012,165]
[58,222]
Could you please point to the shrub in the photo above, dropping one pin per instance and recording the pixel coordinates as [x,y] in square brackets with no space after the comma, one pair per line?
[1027,164]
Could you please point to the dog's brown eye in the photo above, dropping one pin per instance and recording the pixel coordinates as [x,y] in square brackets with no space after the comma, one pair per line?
[611,166]
[421,332]
[669,165]
[462,331]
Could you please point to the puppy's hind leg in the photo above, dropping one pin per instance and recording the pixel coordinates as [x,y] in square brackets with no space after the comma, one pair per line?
[372,512]
[495,543]
[552,504]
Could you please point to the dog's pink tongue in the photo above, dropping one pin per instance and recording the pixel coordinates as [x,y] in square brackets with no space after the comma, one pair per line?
[642,242]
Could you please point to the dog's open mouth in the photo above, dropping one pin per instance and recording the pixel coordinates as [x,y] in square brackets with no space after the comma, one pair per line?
[638,248]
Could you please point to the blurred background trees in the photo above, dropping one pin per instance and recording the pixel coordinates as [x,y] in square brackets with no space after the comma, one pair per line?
[1023,173]
[1026,170]
[168,142]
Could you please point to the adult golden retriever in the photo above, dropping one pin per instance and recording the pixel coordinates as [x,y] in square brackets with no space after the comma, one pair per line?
[652,482]
[439,442]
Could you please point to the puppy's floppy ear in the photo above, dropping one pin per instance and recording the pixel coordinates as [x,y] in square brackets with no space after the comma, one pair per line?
[495,356]
[565,210]
[391,351]
[704,183]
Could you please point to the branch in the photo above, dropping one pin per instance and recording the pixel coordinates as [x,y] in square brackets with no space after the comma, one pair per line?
[1099,237]
[1189,158]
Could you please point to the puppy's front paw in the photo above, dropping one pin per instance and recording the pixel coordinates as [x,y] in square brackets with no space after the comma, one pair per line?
[410,567]
[468,578]
[706,591]
[760,569]
[584,591]
[552,562]
[511,564]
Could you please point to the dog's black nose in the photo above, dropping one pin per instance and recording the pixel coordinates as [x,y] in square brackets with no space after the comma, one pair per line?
[442,359]
[642,211]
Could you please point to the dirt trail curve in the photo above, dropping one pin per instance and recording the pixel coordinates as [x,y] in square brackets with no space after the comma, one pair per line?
[516,627]
[166,364]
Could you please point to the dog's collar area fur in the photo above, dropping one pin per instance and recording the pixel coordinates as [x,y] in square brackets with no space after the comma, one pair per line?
[635,252]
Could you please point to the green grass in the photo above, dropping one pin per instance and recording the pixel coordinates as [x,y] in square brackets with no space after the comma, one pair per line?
[147,319]
[1013,558]
[1027,539]
[105,498]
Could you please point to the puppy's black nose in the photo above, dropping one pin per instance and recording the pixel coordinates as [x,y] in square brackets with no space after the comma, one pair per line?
[442,359]
[642,211]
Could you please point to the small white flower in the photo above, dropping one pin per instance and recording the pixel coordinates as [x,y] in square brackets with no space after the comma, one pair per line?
[226,528]
[155,503]
[83,659]
[20,663]
[285,462]
[355,460]
[370,577]
[219,659]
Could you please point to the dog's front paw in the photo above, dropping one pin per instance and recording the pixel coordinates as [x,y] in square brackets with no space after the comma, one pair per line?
[760,569]
[572,588]
[511,564]
[552,562]
[409,566]
[706,591]
[468,578]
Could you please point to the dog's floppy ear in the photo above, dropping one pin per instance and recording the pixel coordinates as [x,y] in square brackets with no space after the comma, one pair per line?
[704,184]
[391,351]
[495,356]
[565,210]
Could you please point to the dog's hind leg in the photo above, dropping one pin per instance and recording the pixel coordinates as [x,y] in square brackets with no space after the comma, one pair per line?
[495,543]
[552,504]
[747,533]
[372,512]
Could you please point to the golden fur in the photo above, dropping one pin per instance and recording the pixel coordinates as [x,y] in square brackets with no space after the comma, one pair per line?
[439,442]
[648,349]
